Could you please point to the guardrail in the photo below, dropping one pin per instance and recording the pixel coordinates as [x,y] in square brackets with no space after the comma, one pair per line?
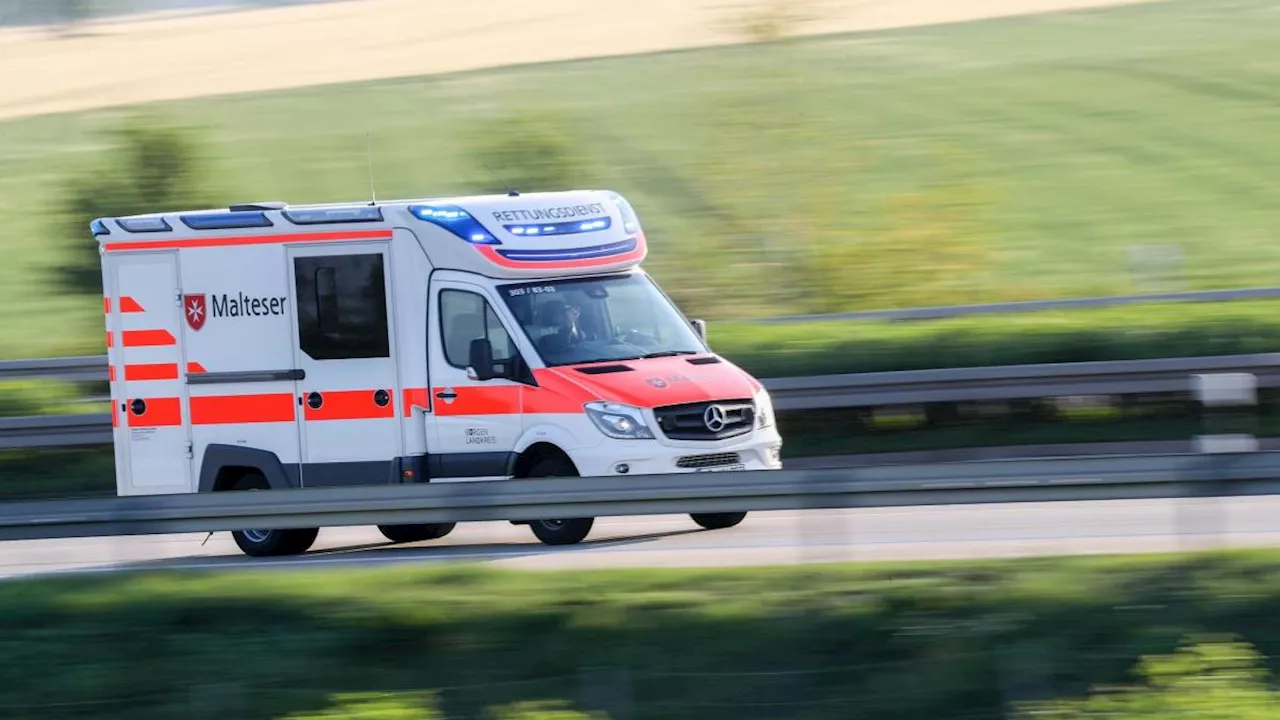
[1007,481]
[1013,382]
[84,368]
[953,311]
[1009,382]
[55,431]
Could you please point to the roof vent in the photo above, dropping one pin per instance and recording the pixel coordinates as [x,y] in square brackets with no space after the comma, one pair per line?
[249,207]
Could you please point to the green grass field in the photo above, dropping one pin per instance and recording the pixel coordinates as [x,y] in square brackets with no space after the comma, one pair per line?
[910,640]
[998,160]
[1124,333]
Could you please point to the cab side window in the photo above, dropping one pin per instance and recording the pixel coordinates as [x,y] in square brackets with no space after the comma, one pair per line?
[466,316]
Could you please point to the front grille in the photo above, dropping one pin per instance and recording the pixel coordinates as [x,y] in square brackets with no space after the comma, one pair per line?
[690,462]
[688,422]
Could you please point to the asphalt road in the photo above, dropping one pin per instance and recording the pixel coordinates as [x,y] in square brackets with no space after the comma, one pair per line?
[776,538]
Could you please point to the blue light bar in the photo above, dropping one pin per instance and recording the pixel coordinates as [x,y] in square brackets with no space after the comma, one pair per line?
[630,222]
[564,228]
[455,220]
[559,254]
[98,227]
[146,224]
[320,216]
[226,220]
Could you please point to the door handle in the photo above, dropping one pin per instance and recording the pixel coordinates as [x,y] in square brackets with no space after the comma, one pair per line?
[447,395]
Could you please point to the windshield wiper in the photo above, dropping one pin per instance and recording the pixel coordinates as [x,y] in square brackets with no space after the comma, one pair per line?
[668,353]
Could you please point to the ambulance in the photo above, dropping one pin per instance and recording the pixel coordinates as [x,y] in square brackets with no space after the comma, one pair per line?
[271,346]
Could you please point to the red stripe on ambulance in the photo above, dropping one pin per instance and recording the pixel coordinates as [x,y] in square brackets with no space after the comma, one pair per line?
[127,305]
[494,257]
[232,409]
[147,338]
[279,239]
[151,371]
[156,412]
[350,405]
[415,397]
[477,400]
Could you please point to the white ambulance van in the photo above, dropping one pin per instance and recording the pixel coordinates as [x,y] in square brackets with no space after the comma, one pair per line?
[269,346]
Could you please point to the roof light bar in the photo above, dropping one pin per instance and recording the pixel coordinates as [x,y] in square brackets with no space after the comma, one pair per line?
[566,254]
[144,224]
[455,220]
[98,227]
[320,216]
[564,228]
[226,220]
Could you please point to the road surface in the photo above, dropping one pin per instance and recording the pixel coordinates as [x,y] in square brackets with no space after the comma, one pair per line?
[775,538]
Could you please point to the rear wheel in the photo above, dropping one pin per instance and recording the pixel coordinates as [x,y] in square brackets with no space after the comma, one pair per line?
[416,533]
[559,532]
[270,543]
[718,521]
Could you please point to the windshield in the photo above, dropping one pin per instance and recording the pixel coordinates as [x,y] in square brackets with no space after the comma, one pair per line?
[623,317]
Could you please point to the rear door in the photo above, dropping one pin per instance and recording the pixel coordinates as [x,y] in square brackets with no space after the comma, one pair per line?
[150,373]
[345,348]
[477,423]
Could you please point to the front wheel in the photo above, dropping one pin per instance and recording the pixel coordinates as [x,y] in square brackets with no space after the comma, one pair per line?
[718,521]
[416,533]
[559,532]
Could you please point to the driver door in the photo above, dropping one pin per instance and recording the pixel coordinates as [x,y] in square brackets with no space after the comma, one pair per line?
[477,423]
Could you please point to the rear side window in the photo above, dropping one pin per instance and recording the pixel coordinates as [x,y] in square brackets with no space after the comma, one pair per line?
[342,306]
[466,316]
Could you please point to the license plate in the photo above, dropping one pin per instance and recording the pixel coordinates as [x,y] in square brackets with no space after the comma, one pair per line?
[723,468]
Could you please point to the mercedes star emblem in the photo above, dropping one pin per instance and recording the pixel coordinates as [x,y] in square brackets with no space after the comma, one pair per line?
[714,418]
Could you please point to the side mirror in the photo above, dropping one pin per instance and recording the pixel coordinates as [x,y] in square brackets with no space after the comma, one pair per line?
[700,327]
[481,360]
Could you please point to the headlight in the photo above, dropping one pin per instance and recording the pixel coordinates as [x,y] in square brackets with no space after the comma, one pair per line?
[621,422]
[764,410]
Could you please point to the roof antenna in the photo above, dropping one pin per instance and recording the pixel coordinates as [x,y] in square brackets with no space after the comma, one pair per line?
[510,192]
[369,154]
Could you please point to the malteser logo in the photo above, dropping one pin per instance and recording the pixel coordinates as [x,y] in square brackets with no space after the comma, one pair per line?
[195,309]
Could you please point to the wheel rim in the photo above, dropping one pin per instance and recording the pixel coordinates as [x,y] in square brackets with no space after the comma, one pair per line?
[552,524]
[256,536]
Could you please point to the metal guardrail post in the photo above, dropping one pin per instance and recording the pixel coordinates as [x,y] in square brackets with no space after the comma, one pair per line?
[1228,428]
[1228,403]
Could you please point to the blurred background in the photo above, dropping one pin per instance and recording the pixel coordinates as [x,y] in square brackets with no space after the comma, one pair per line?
[800,167]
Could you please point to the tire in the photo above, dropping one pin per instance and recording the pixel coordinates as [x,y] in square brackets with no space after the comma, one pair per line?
[416,533]
[718,521]
[562,532]
[270,543]
[559,532]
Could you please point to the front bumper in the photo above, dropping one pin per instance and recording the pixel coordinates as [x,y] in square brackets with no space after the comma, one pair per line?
[761,450]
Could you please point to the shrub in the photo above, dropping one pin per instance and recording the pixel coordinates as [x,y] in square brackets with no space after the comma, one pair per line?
[1211,680]
[376,706]
[540,710]
[528,152]
[151,167]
